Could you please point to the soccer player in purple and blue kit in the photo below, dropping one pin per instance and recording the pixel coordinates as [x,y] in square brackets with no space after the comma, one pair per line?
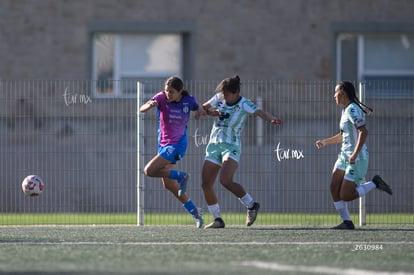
[174,105]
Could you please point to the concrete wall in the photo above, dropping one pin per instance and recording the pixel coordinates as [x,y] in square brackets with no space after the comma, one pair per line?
[264,39]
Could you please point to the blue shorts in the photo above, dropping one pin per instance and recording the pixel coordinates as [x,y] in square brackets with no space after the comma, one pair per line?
[172,152]
[217,152]
[355,172]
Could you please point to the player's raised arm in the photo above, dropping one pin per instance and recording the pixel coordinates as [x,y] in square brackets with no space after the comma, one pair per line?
[148,105]
[268,117]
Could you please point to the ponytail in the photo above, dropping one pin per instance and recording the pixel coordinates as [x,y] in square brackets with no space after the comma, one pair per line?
[364,108]
[349,89]
[185,93]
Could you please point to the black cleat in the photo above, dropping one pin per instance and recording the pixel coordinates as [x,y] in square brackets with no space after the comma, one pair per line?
[381,185]
[346,225]
[217,223]
[252,214]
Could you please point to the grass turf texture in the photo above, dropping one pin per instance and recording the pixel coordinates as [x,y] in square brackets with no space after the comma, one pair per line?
[187,250]
[296,219]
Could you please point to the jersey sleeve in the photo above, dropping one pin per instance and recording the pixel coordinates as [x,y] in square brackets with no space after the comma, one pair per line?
[215,99]
[194,104]
[249,106]
[356,116]
[159,97]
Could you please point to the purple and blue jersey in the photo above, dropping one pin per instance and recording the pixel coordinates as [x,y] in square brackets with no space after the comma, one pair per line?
[173,118]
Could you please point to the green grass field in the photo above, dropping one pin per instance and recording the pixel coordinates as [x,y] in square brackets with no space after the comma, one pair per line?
[63,249]
[290,219]
[111,243]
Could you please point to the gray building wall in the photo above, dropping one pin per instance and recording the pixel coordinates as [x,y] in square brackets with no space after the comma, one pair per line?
[264,39]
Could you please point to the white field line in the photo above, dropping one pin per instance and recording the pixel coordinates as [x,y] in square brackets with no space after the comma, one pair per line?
[198,243]
[316,269]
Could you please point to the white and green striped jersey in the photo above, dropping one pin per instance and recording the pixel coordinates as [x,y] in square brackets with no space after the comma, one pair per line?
[352,118]
[228,126]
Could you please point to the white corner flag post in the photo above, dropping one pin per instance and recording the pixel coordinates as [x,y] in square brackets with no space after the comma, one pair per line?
[140,182]
[362,210]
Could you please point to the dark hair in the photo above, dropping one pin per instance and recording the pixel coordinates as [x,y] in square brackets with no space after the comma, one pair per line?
[177,84]
[230,84]
[349,89]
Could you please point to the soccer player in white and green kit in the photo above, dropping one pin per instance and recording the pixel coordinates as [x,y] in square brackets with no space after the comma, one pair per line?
[224,148]
[352,163]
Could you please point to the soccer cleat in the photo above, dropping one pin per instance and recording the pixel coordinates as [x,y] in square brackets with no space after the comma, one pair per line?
[183,185]
[252,213]
[381,185]
[198,217]
[346,225]
[217,223]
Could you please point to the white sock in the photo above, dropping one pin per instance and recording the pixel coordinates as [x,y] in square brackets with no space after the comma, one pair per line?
[364,188]
[247,200]
[342,208]
[214,210]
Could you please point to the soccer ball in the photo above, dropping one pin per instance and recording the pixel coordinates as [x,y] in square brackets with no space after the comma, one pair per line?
[33,185]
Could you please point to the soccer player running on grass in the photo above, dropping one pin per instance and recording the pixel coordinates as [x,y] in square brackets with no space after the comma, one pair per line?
[224,148]
[174,105]
[352,163]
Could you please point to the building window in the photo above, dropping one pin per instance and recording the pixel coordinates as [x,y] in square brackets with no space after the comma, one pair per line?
[120,60]
[374,56]
[122,53]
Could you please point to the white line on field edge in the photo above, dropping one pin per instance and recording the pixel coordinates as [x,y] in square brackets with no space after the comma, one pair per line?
[161,243]
[316,269]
